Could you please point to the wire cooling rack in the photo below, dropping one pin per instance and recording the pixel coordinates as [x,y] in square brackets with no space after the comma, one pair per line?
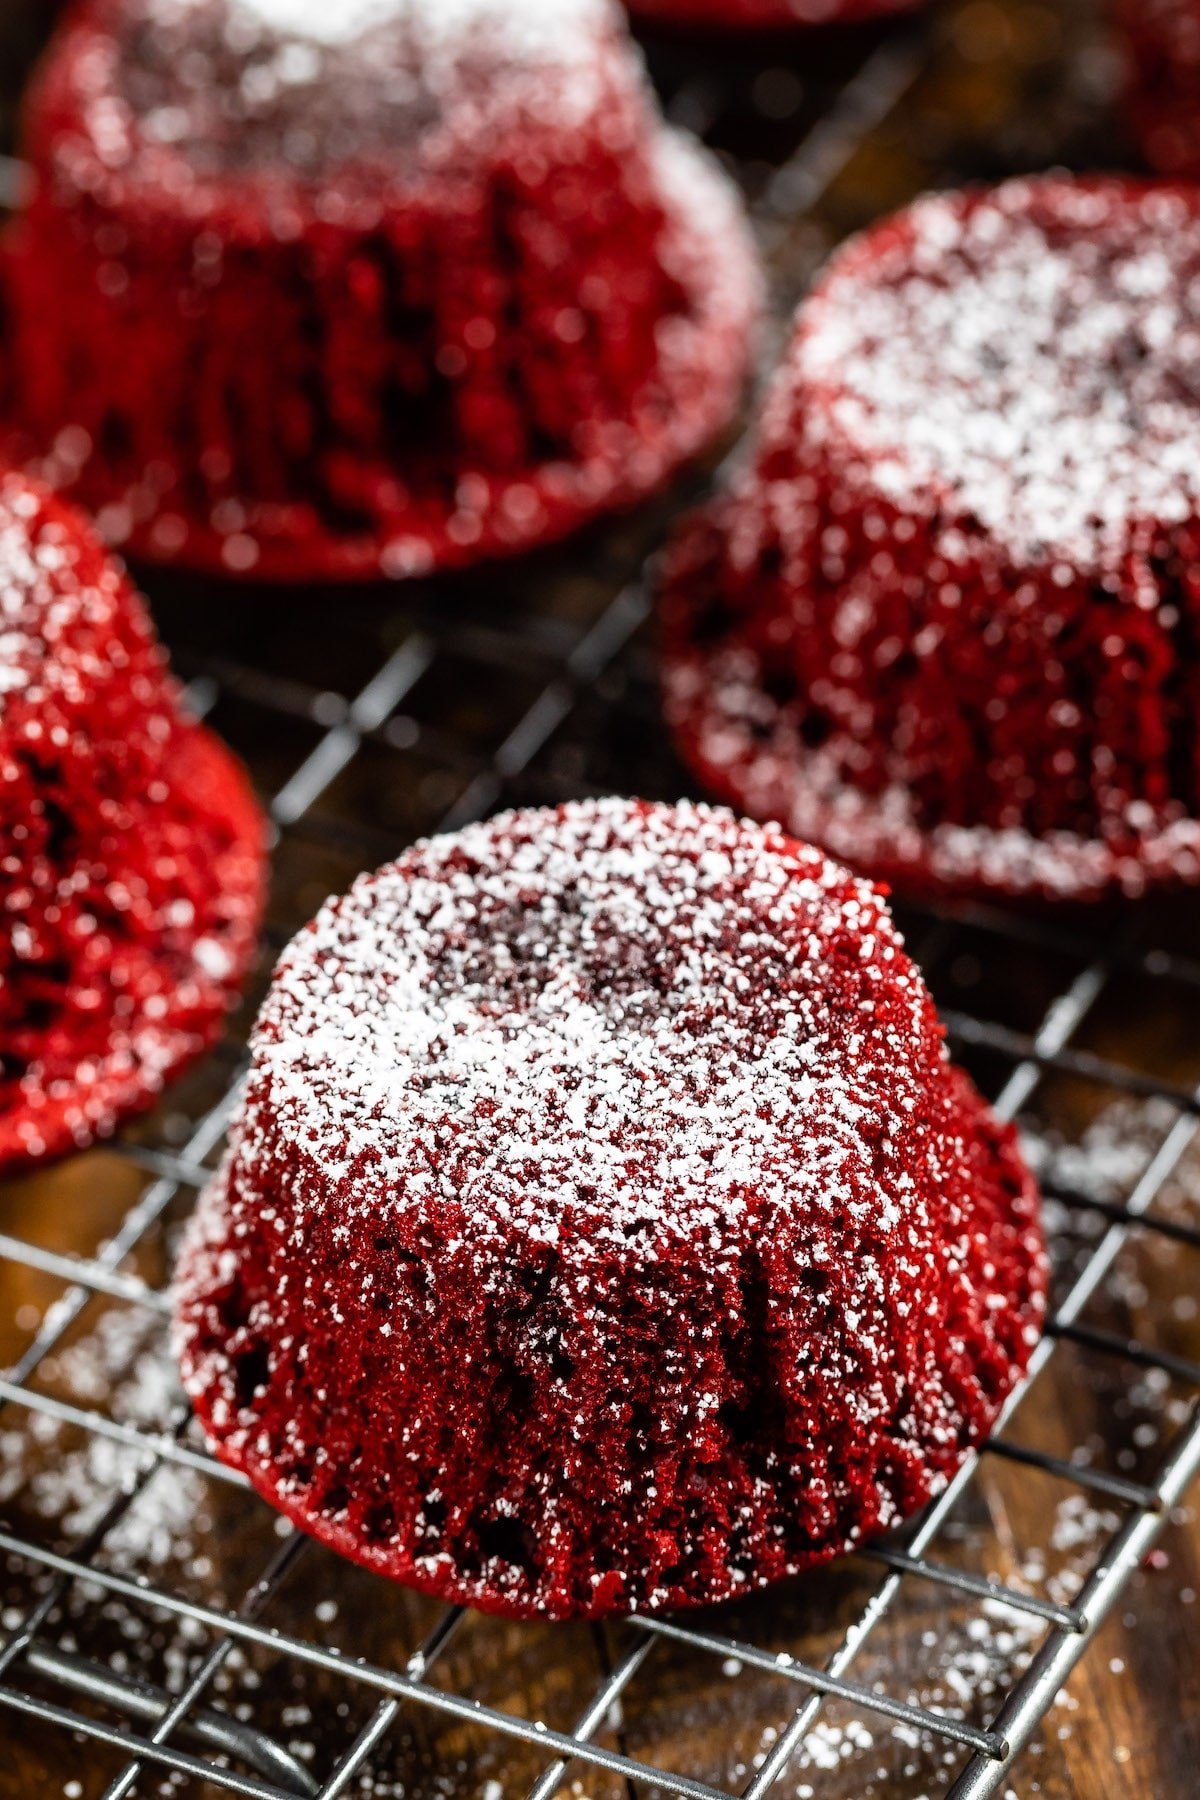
[370,718]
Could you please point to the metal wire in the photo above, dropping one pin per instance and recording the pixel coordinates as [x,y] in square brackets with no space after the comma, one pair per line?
[567,669]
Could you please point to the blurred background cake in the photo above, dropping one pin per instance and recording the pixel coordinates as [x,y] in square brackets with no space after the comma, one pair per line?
[131,851]
[944,621]
[305,291]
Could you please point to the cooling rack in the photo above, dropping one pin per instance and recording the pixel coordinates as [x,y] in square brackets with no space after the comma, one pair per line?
[369,718]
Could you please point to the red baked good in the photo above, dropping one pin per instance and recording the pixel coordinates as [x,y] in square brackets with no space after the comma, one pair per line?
[760,15]
[310,290]
[1160,42]
[605,1228]
[945,620]
[131,850]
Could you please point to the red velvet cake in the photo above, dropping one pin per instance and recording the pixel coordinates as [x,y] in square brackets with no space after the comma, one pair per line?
[1161,43]
[131,850]
[945,621]
[311,290]
[759,15]
[604,1228]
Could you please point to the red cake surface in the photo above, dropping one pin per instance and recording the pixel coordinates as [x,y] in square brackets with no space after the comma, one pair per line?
[944,621]
[763,14]
[604,1228]
[1161,45]
[131,850]
[311,290]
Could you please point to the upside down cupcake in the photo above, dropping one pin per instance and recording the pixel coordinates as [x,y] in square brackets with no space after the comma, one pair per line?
[131,850]
[944,621]
[604,1227]
[346,290]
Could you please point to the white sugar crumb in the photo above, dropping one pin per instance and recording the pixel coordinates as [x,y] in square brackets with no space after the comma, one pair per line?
[38,610]
[967,1665]
[1037,379]
[57,1484]
[213,959]
[124,1366]
[574,1013]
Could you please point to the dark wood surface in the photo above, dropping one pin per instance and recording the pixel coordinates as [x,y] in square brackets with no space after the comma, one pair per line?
[1007,84]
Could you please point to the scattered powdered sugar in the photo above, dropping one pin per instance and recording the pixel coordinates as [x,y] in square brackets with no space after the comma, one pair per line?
[67,1479]
[295,84]
[1107,1161]
[57,1483]
[1027,361]
[601,1005]
[962,1663]
[1106,1164]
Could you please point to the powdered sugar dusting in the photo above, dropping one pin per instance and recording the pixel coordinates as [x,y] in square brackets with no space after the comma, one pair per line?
[537,24]
[323,23]
[581,1010]
[942,622]
[293,84]
[37,607]
[1030,366]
